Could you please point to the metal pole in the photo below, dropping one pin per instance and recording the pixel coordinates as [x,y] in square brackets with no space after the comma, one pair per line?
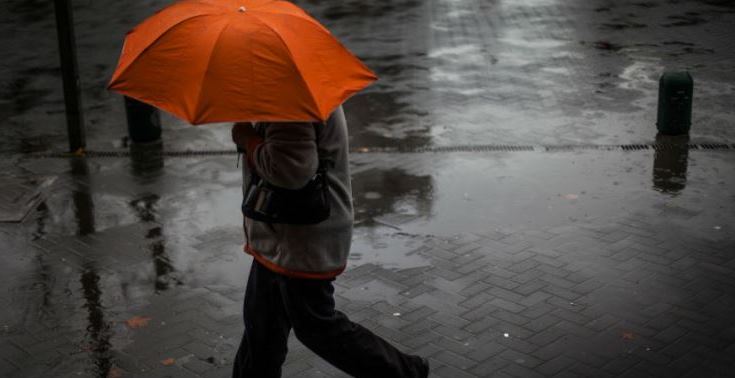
[70,75]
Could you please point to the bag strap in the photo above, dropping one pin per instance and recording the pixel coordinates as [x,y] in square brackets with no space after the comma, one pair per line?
[325,161]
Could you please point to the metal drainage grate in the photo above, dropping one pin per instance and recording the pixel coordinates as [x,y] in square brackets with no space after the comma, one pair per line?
[421,149]
[641,147]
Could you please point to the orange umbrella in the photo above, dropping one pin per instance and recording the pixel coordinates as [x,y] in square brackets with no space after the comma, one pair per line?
[238,60]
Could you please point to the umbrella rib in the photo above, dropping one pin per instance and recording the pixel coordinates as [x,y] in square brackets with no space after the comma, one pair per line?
[296,66]
[206,70]
[155,40]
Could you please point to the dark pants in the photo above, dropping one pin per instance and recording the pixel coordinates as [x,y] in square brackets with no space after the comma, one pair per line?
[275,303]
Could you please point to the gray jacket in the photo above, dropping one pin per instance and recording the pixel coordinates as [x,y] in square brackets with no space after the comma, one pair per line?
[288,158]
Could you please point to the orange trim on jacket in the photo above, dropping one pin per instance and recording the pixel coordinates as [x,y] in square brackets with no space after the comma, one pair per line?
[291,273]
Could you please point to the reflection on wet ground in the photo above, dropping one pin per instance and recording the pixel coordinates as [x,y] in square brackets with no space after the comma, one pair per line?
[525,72]
[670,164]
[380,192]
[114,264]
[117,237]
[145,208]
[98,330]
[530,190]
[82,197]
[483,73]
[175,229]
[384,200]
[368,130]
[146,159]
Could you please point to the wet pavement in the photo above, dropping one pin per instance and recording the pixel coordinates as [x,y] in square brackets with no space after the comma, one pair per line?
[559,262]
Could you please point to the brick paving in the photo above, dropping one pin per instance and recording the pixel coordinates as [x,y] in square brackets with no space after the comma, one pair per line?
[134,270]
[636,295]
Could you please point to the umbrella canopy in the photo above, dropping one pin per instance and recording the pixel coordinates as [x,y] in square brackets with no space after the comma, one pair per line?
[238,60]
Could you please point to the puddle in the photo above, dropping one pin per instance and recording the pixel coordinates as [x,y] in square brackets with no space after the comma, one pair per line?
[392,191]
[528,190]
[641,76]
[517,38]
[386,200]
[457,53]
[385,119]
[387,248]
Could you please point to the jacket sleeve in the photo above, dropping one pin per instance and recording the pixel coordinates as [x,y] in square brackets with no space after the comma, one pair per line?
[288,155]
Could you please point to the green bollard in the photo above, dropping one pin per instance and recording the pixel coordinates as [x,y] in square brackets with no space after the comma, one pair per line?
[675,92]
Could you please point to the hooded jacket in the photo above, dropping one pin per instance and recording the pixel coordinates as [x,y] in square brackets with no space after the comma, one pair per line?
[288,158]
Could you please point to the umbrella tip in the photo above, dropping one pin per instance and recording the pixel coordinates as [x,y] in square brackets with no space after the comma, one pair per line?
[241,9]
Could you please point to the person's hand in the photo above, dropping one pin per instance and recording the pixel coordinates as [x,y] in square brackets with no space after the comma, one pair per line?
[242,133]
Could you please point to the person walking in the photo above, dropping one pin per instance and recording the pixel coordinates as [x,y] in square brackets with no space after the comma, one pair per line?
[214,61]
[290,285]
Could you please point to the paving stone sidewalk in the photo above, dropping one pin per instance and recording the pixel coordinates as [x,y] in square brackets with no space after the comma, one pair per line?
[127,270]
[633,296]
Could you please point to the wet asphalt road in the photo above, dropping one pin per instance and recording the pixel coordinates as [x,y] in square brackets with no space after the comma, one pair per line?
[451,73]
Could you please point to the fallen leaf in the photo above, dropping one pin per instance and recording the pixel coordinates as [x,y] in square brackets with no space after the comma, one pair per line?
[628,336]
[168,362]
[570,196]
[138,322]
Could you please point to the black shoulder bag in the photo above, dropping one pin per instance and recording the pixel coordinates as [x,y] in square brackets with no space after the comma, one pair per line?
[268,203]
